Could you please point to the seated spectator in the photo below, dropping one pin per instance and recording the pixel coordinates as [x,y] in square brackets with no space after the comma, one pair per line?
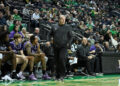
[113,31]
[26,11]
[71,63]
[90,24]
[84,56]
[16,16]
[25,34]
[91,39]
[49,52]
[7,12]
[37,33]
[15,23]
[75,19]
[2,8]
[3,28]
[10,20]
[87,33]
[72,59]
[15,30]
[82,25]
[2,19]
[103,30]
[3,2]
[96,36]
[97,50]
[74,46]
[35,18]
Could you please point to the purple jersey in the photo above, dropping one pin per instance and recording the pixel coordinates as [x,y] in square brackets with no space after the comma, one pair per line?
[16,48]
[34,48]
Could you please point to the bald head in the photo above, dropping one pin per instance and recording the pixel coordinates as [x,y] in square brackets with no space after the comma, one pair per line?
[84,41]
[37,30]
[62,19]
[15,11]
[2,5]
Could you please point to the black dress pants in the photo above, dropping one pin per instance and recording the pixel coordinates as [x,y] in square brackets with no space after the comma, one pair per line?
[60,61]
[88,64]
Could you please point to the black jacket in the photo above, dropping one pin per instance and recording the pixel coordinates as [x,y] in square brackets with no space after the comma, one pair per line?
[83,52]
[62,35]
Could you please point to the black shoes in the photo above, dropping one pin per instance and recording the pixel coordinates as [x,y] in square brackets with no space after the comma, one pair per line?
[14,75]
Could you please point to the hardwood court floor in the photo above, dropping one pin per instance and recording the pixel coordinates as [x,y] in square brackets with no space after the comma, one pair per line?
[106,80]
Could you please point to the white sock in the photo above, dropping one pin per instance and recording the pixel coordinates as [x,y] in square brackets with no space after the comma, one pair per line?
[20,73]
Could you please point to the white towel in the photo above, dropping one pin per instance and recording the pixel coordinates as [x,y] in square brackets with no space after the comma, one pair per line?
[1,55]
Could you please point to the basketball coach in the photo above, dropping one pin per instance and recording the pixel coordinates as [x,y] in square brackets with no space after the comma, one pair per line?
[62,36]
